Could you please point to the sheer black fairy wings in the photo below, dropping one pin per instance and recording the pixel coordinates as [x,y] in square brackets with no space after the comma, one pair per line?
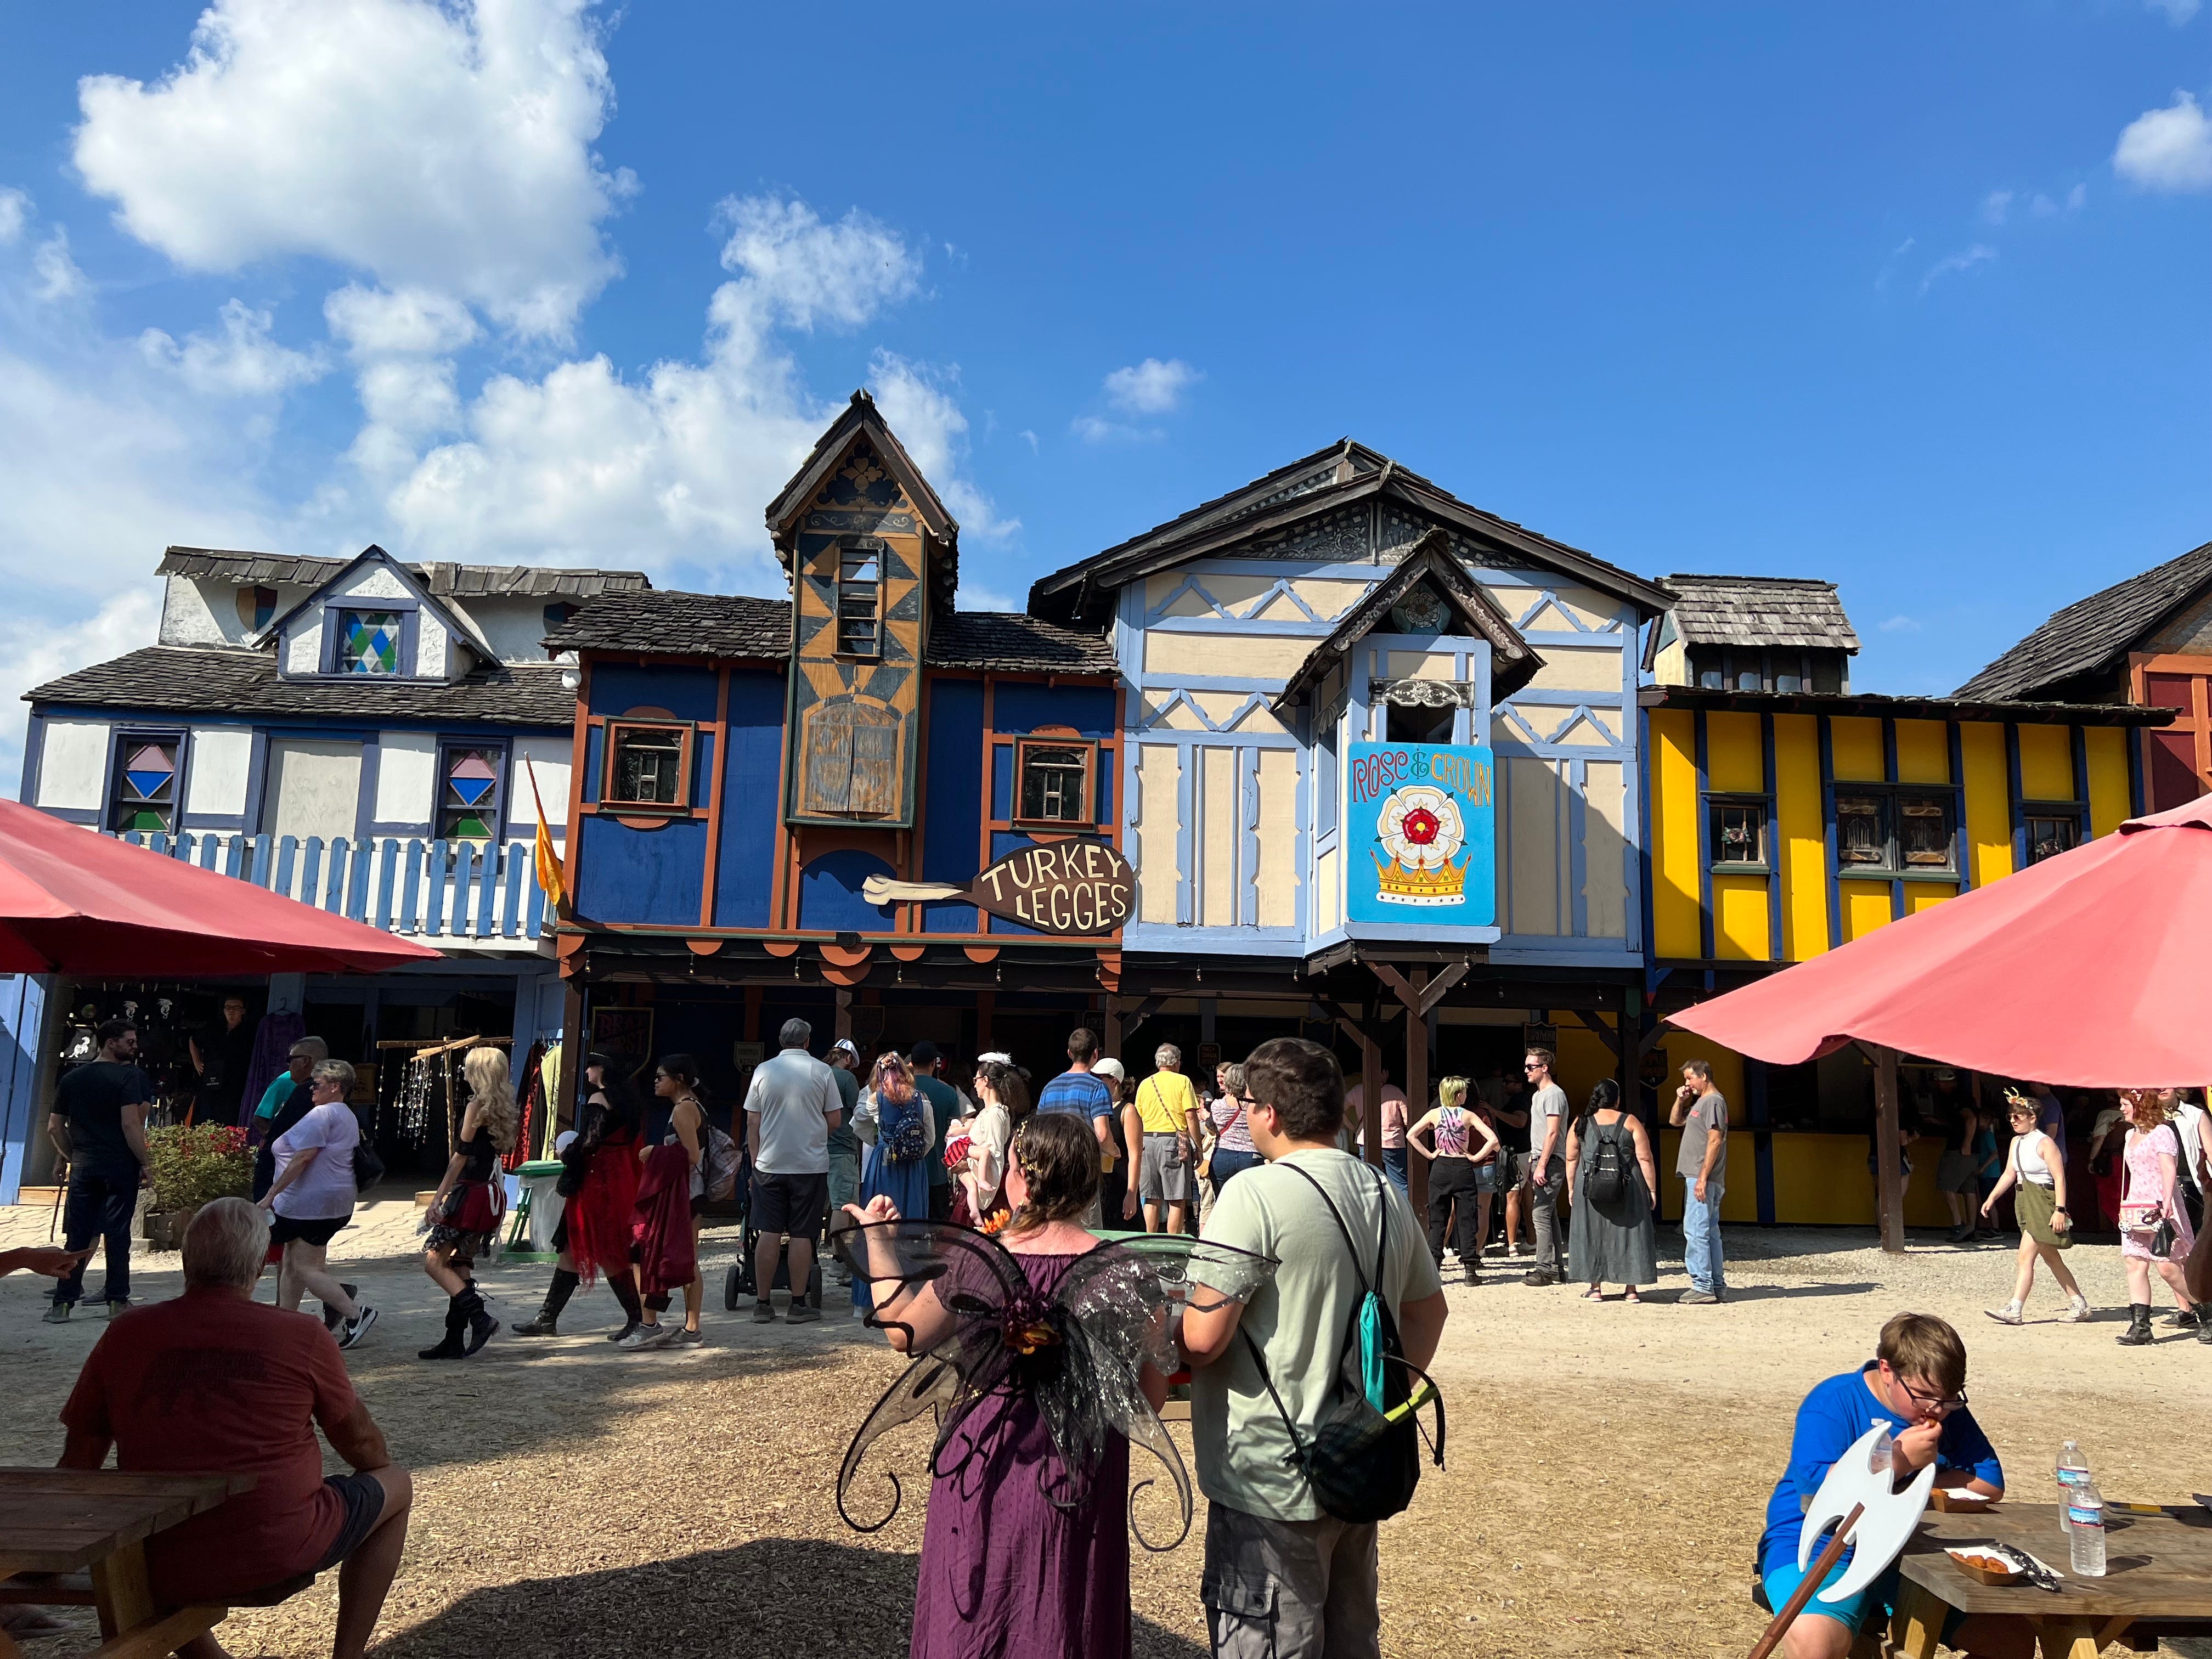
[977,1324]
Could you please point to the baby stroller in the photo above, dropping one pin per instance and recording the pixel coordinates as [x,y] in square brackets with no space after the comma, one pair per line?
[737,1281]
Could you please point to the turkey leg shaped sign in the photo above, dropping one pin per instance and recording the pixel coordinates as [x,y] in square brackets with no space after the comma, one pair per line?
[1066,887]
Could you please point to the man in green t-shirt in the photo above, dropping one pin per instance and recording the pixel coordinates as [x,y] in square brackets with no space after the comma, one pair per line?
[1282,1576]
[945,1108]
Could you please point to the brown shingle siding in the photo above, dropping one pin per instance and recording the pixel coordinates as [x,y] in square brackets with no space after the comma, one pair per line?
[1761,610]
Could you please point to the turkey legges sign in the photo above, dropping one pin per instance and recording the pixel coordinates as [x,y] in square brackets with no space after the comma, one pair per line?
[1068,887]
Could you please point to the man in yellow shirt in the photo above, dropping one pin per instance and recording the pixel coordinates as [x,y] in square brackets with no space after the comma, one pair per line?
[1162,1120]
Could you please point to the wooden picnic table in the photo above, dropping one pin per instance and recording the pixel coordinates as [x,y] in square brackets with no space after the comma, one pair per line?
[67,1522]
[2157,1581]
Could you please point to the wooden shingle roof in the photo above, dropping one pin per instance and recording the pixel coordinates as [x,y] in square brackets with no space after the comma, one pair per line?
[444,581]
[2091,635]
[1754,610]
[233,680]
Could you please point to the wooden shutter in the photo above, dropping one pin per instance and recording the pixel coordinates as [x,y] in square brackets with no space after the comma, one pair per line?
[875,761]
[829,757]
[853,759]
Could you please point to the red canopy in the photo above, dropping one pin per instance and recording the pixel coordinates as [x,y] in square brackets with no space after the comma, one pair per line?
[2092,969]
[72,901]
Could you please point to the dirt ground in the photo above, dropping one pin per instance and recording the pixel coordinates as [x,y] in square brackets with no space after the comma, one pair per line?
[1607,1465]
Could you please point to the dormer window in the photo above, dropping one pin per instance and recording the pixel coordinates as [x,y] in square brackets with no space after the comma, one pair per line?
[368,642]
[860,598]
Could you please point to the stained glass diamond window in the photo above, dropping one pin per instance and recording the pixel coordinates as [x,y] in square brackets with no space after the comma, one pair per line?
[368,642]
[468,800]
[145,798]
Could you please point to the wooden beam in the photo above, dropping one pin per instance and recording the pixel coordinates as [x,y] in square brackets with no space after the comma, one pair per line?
[1604,1033]
[1888,1146]
[1440,985]
[1416,1089]
[844,1023]
[1421,993]
[1370,1096]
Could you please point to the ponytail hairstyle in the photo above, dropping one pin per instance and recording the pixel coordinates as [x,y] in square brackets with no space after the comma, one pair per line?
[1603,1098]
[685,1071]
[491,1090]
[1057,1153]
[1008,1089]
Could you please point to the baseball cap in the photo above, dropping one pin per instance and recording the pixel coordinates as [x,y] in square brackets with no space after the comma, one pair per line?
[923,1053]
[1111,1068]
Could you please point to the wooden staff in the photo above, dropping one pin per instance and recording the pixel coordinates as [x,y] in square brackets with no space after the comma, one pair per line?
[1787,1614]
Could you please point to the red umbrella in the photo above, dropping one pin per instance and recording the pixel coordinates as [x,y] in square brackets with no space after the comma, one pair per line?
[76,902]
[2089,969]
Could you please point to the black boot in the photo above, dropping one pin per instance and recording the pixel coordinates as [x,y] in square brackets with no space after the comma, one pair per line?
[457,1321]
[557,1297]
[481,1325]
[2137,1333]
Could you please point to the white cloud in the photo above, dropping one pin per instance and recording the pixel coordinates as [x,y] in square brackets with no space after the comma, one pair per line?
[58,277]
[244,361]
[1030,438]
[34,650]
[1996,205]
[2178,12]
[796,269]
[2167,150]
[1952,263]
[15,208]
[1901,625]
[1097,429]
[919,405]
[445,145]
[1152,387]
[415,320]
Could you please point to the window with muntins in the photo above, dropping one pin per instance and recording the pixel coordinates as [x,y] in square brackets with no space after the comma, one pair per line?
[368,642]
[2048,835]
[859,601]
[1924,833]
[1055,782]
[142,795]
[1862,832]
[645,764]
[469,791]
[1739,834]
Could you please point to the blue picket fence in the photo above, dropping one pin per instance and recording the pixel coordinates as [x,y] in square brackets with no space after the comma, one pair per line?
[455,889]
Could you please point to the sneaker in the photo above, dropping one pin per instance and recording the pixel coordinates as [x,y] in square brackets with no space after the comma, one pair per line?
[357,1327]
[2185,1317]
[1696,1298]
[2078,1311]
[687,1338]
[2008,1315]
[331,1318]
[58,1313]
[801,1314]
[1540,1276]
[644,1336]
[116,1304]
[763,1312]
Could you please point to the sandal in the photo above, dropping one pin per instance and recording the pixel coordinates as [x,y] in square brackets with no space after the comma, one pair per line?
[1633,1297]
[1595,1293]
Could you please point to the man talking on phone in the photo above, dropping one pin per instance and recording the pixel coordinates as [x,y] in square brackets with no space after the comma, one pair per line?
[1701,1114]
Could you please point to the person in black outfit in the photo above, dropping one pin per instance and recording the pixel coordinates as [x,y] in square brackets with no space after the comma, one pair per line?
[222,1056]
[98,1124]
[464,1217]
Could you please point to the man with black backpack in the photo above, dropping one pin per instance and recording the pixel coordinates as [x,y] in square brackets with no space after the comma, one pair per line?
[1299,1411]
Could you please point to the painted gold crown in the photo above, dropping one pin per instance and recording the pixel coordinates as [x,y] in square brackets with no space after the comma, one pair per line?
[1445,885]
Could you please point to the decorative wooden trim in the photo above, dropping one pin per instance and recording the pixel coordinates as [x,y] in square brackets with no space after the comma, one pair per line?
[714,786]
[659,720]
[1023,743]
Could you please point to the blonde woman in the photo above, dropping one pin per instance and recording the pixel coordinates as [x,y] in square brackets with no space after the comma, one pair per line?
[1457,1146]
[464,1213]
[2035,1172]
[2148,1201]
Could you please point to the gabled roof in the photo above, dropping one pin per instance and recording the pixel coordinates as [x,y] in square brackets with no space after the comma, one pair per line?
[444,581]
[1344,473]
[1785,610]
[666,623]
[2091,635]
[234,680]
[1513,663]
[458,621]
[861,414]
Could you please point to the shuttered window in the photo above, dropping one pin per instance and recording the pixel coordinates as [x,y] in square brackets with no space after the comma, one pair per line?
[852,752]
[860,600]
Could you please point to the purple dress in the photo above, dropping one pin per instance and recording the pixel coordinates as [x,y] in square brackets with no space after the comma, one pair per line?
[1004,1572]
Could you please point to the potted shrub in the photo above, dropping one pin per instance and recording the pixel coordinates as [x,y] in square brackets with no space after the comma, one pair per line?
[191,1164]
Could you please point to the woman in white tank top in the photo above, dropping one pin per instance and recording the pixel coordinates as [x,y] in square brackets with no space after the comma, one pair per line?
[2035,1175]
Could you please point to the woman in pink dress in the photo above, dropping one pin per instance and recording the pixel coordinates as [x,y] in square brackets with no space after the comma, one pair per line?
[2152,1157]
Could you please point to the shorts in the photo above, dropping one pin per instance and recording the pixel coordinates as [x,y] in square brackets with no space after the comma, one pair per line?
[1780,1580]
[1488,1177]
[1165,1174]
[364,1503]
[283,1229]
[792,1204]
[1957,1172]
[1271,1586]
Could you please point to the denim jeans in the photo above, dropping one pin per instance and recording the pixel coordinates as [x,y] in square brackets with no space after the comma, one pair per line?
[1394,1165]
[1701,1236]
[100,1207]
[1543,1203]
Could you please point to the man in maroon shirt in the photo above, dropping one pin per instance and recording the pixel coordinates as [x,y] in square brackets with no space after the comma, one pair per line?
[216,1381]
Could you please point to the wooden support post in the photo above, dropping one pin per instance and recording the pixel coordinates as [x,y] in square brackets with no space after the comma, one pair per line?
[1114,1027]
[1370,1085]
[1629,1053]
[986,1006]
[1417,1091]
[1888,1149]
[753,995]
[574,1047]
[844,1022]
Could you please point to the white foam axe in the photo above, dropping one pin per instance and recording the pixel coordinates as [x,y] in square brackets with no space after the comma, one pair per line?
[1871,1517]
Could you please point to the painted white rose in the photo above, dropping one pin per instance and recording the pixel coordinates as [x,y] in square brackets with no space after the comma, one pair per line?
[1419,827]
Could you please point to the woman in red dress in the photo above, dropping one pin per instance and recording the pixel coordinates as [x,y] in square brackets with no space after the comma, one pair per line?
[600,1184]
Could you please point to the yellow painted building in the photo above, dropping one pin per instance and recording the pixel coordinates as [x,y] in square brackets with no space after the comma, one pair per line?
[1786,820]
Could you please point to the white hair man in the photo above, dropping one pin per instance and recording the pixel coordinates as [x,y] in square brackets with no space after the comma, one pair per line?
[216,1381]
[1161,1122]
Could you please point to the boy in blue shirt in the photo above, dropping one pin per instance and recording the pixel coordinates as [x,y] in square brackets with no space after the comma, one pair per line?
[1916,1384]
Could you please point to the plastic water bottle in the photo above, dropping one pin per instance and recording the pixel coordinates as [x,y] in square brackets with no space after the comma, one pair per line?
[2085,1515]
[2072,1471]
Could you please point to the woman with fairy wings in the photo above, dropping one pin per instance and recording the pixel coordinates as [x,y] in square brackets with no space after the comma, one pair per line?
[1043,1352]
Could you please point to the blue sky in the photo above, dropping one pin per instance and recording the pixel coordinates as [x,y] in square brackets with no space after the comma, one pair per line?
[1911,297]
